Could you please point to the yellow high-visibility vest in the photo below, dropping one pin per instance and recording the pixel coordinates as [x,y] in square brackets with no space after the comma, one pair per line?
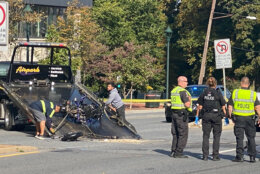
[44,108]
[176,99]
[244,101]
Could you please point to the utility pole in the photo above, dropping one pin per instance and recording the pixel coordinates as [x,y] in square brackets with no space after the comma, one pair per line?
[206,44]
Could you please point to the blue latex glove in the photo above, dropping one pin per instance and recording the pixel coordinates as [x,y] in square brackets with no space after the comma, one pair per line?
[226,121]
[196,120]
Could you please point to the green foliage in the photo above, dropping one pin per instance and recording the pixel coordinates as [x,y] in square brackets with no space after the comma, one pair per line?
[136,21]
[246,36]
[17,14]
[130,65]
[79,32]
[191,23]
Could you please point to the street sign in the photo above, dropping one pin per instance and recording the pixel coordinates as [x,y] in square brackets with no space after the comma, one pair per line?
[3,23]
[223,53]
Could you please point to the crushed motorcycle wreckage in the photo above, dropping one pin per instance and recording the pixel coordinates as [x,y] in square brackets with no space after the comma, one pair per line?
[82,113]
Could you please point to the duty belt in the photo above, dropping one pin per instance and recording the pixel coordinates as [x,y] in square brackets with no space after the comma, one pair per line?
[211,110]
[178,110]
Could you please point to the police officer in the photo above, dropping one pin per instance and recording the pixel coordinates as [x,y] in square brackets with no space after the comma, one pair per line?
[43,110]
[181,105]
[242,104]
[212,108]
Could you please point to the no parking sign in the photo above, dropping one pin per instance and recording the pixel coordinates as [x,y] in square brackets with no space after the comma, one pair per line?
[3,23]
[223,53]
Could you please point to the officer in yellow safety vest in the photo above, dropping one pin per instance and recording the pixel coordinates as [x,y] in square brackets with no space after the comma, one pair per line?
[242,104]
[43,111]
[181,105]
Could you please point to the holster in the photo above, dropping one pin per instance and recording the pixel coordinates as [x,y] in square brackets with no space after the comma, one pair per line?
[233,117]
[221,113]
[183,114]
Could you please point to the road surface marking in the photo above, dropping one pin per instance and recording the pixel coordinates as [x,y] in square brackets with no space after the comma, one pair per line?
[230,150]
[17,154]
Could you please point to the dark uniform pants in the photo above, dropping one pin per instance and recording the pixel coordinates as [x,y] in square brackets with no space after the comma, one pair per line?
[211,121]
[179,133]
[245,125]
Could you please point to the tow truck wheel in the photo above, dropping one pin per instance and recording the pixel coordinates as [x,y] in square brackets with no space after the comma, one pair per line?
[8,119]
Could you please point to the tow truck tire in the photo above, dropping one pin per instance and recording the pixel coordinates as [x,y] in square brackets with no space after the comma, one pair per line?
[8,119]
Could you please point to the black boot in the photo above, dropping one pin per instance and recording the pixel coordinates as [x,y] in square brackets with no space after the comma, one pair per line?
[172,154]
[238,159]
[205,158]
[216,158]
[179,156]
[252,159]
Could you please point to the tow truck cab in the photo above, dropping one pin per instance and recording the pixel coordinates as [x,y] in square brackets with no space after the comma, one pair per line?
[18,72]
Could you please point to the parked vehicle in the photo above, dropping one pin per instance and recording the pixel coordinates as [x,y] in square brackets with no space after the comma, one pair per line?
[195,91]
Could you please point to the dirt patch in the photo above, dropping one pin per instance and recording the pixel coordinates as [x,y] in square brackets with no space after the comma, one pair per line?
[131,141]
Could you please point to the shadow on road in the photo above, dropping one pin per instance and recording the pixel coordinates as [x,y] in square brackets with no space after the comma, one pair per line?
[193,154]
[165,122]
[199,155]
[29,130]
[161,151]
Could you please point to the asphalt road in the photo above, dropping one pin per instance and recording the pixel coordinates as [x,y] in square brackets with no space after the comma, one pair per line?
[149,155]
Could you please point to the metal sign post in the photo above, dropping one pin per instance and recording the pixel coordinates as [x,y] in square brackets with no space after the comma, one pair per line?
[223,57]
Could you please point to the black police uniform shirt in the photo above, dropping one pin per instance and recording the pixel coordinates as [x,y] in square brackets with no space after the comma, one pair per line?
[211,99]
[231,102]
[184,97]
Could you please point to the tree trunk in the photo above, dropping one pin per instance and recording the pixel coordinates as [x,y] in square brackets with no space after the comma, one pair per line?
[131,97]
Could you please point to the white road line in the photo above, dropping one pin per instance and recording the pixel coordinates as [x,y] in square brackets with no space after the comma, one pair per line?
[225,151]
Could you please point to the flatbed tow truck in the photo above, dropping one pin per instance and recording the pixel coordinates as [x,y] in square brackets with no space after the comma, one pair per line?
[29,81]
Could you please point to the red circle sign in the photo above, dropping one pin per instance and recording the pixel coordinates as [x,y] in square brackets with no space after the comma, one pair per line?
[222,47]
[2,11]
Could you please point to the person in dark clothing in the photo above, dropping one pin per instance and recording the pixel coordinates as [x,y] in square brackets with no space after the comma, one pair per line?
[212,108]
[43,111]
[181,105]
[242,105]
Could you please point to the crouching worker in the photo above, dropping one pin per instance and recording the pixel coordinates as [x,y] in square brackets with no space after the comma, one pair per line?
[43,110]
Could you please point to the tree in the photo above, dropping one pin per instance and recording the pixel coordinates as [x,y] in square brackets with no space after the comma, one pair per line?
[191,23]
[130,65]
[17,14]
[245,37]
[135,21]
[80,33]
